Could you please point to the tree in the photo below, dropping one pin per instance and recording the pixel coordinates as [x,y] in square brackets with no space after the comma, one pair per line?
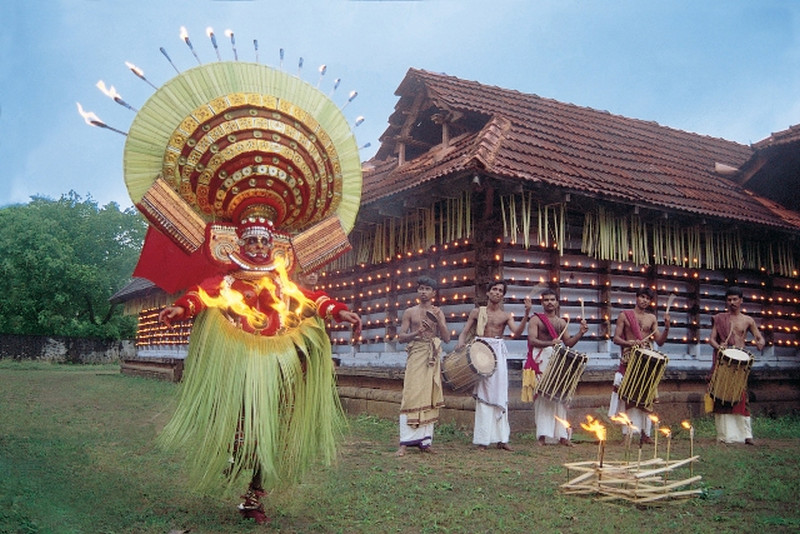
[60,261]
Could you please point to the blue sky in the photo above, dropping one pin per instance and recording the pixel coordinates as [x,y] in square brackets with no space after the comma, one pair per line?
[727,69]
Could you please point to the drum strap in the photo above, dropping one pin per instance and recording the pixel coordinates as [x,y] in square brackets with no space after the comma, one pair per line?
[483,320]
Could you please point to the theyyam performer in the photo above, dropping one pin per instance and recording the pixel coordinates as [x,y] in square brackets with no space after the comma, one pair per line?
[247,175]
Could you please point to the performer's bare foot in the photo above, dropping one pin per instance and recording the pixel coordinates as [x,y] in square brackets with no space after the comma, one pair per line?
[540,441]
[504,446]
[401,451]
[645,440]
[565,442]
[481,447]
[749,441]
[429,450]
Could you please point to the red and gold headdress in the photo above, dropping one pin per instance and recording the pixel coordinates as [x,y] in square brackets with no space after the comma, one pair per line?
[228,137]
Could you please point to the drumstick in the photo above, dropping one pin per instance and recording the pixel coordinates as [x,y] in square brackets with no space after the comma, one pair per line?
[565,329]
[583,313]
[670,300]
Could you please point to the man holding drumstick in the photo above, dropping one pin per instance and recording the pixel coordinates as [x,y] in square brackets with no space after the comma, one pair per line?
[424,329]
[635,329]
[545,332]
[491,394]
[729,330]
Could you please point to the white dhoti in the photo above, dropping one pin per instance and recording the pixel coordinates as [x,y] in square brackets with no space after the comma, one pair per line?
[491,401]
[545,410]
[415,436]
[733,428]
[640,419]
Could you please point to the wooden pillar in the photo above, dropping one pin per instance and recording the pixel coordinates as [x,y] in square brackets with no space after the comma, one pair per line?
[488,240]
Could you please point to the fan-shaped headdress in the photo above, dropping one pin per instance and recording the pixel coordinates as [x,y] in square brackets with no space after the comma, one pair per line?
[226,137]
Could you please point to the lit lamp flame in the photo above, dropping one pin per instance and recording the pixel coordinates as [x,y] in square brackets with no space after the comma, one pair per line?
[185,36]
[93,120]
[210,33]
[112,93]
[359,120]
[229,35]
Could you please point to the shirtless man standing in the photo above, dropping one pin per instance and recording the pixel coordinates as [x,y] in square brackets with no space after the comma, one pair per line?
[488,323]
[636,328]
[423,327]
[730,331]
[543,334]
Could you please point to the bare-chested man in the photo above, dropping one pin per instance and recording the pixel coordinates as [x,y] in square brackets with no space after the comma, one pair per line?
[491,394]
[546,331]
[636,328]
[730,330]
[423,327]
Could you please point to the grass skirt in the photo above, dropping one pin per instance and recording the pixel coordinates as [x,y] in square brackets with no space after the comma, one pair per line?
[252,401]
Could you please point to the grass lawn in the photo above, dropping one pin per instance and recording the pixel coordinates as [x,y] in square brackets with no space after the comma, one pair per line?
[77,455]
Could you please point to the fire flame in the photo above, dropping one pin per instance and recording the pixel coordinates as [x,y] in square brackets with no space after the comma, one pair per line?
[654,418]
[184,34]
[209,31]
[595,426]
[110,92]
[665,430]
[288,300]
[136,70]
[623,419]
[687,425]
[562,421]
[88,116]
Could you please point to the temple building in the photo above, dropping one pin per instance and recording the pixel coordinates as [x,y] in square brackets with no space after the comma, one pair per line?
[474,183]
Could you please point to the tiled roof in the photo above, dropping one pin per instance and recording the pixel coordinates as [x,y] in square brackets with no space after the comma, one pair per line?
[579,150]
[137,287]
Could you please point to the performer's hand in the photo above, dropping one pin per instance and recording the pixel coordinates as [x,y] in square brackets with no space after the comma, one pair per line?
[528,304]
[666,320]
[584,326]
[170,312]
[352,318]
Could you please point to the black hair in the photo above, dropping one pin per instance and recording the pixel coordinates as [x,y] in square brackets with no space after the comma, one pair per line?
[498,283]
[426,281]
[734,290]
[646,291]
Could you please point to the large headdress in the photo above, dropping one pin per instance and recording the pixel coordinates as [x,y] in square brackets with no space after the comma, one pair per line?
[228,135]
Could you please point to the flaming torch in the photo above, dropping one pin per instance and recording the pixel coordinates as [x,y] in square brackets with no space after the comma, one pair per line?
[688,426]
[599,430]
[112,93]
[353,95]
[210,33]
[139,73]
[93,120]
[336,83]
[322,70]
[668,434]
[185,37]
[654,418]
[623,419]
[229,34]
[566,425]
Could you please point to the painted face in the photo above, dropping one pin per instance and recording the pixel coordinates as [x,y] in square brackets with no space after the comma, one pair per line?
[258,249]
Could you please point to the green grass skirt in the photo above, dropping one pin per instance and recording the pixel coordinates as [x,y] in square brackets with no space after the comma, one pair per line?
[278,393]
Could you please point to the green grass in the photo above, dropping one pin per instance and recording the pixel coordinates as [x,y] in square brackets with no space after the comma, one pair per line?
[77,455]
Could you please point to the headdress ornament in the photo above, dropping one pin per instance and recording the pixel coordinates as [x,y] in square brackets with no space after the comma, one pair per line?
[234,144]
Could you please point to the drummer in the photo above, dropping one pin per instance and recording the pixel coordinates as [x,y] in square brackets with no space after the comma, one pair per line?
[423,327]
[730,330]
[636,328]
[491,394]
[545,332]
